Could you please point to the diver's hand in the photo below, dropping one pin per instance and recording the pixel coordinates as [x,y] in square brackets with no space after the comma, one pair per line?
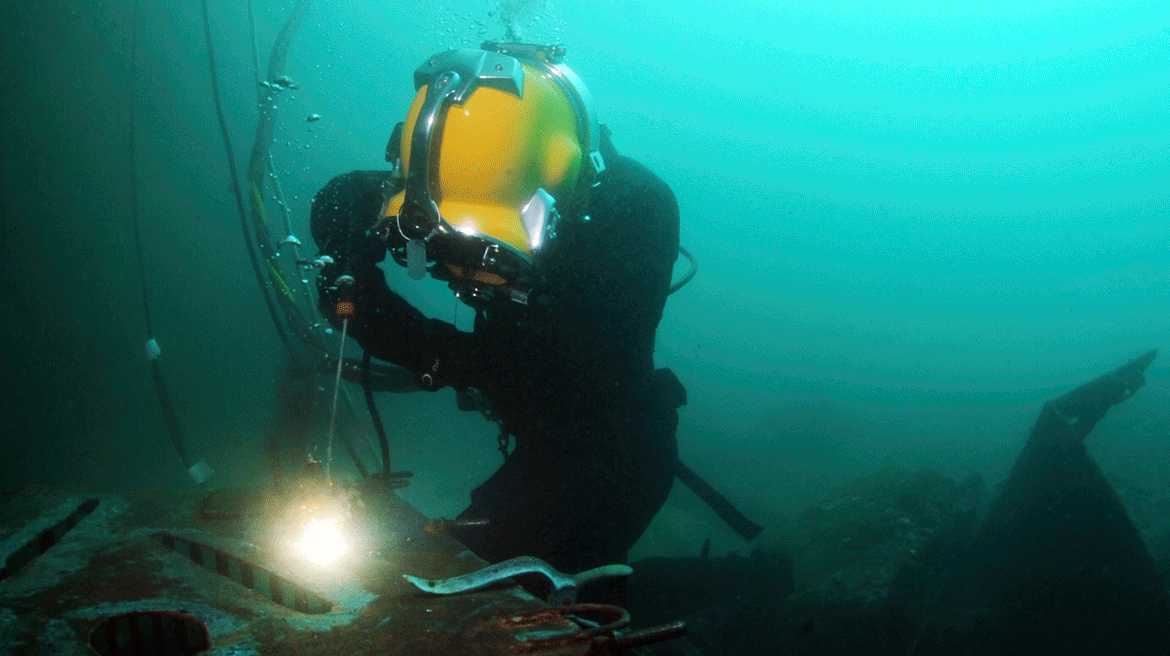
[383,322]
[436,352]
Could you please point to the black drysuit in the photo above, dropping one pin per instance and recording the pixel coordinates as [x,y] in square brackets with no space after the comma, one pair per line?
[570,375]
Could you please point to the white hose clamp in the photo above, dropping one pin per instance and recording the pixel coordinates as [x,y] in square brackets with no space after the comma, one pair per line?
[152,349]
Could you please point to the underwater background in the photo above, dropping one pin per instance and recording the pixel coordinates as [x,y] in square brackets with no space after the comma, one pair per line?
[913,225]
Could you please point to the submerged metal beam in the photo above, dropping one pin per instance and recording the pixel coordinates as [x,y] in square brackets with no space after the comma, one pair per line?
[1057,567]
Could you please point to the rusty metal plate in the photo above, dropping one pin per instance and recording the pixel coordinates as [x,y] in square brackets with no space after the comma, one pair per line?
[122,574]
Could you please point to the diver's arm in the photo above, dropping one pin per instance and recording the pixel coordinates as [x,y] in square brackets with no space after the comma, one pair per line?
[395,331]
[384,322]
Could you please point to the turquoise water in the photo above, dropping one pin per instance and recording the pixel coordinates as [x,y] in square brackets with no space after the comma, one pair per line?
[913,226]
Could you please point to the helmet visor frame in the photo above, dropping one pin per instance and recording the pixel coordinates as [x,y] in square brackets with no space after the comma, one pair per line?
[450,79]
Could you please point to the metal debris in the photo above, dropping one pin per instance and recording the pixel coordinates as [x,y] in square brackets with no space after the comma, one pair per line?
[564,586]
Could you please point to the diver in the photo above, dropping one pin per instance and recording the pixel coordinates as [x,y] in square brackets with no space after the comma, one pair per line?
[508,189]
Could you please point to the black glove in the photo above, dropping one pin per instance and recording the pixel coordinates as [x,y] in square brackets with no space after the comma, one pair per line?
[343,213]
[393,330]
[383,322]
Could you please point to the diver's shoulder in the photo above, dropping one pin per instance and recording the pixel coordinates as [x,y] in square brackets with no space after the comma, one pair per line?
[629,172]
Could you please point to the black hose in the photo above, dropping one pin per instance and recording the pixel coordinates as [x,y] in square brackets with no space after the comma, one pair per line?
[168,411]
[255,51]
[257,269]
[131,148]
[690,274]
[258,239]
[374,415]
[156,373]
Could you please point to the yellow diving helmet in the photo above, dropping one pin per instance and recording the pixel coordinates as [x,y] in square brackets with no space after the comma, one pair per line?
[495,141]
